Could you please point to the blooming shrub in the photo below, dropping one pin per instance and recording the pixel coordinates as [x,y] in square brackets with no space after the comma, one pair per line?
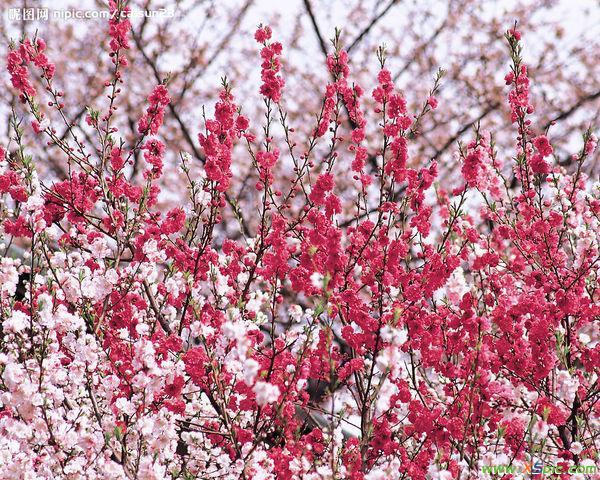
[396,328]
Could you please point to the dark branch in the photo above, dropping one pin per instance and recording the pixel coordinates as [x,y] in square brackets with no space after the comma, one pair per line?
[313,20]
[373,22]
[570,111]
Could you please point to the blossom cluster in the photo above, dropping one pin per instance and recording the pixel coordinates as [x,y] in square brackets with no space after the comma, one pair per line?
[395,328]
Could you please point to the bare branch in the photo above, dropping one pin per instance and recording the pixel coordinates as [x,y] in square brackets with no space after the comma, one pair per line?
[373,22]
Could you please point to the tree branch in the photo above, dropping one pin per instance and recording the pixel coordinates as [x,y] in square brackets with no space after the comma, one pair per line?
[313,20]
[373,22]
[570,111]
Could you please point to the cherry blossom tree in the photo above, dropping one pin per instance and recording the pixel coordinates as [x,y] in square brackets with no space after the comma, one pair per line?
[353,314]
